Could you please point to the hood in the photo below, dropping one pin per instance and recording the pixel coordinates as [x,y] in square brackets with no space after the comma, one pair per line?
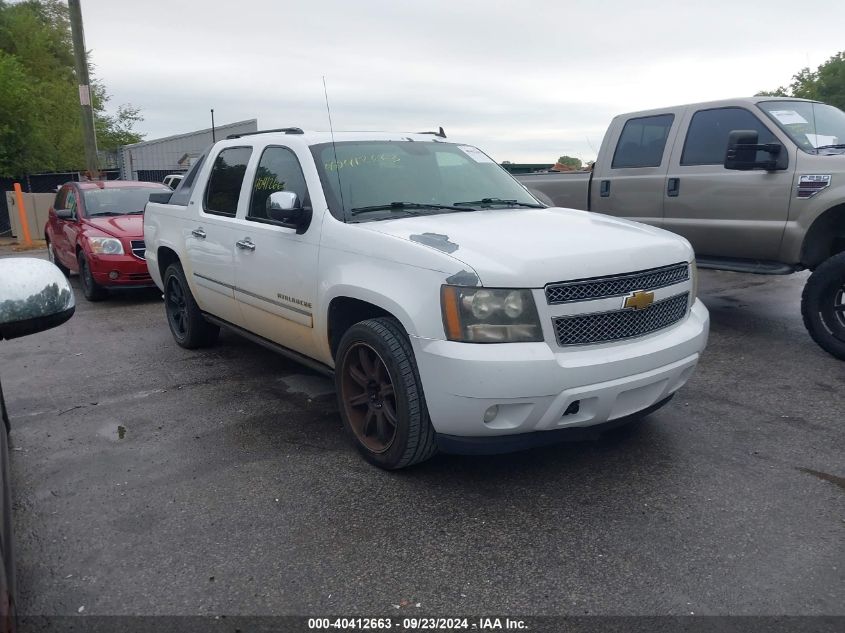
[529,248]
[119,225]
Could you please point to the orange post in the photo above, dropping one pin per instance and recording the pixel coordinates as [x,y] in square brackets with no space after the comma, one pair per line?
[27,238]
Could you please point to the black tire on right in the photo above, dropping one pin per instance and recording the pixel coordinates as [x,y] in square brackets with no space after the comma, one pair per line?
[825,325]
[191,330]
[414,441]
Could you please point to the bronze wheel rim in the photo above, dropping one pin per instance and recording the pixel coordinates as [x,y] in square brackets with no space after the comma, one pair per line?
[368,398]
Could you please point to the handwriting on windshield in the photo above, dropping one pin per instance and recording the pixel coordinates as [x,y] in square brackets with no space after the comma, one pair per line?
[364,159]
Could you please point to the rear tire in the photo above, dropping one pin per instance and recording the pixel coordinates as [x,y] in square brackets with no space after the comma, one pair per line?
[380,395]
[51,255]
[187,324]
[823,305]
[90,288]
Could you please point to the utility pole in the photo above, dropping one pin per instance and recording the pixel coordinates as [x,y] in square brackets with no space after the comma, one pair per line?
[213,135]
[81,58]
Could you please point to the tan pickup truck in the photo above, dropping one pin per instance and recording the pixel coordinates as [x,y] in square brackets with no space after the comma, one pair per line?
[757,185]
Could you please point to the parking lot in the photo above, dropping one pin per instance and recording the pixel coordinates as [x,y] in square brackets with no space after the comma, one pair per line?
[151,479]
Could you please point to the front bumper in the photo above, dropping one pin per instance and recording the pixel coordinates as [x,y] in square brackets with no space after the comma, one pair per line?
[534,385]
[131,271]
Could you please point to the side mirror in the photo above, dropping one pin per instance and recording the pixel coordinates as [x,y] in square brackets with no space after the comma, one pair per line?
[743,148]
[285,207]
[34,296]
[64,214]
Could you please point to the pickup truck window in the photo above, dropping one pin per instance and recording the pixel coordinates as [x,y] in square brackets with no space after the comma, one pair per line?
[225,181]
[642,141]
[428,176]
[278,170]
[707,136]
[812,126]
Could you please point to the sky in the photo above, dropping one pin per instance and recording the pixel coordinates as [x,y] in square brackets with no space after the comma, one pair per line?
[527,81]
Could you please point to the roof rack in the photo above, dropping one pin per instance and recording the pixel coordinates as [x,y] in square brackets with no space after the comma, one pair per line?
[284,130]
[439,133]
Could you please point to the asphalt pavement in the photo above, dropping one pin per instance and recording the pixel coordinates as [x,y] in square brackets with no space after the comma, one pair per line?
[149,479]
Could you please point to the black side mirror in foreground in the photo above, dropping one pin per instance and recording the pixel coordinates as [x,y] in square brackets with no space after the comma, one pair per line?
[743,148]
[34,296]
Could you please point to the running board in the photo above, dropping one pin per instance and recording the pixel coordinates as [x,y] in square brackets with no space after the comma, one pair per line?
[755,266]
[275,347]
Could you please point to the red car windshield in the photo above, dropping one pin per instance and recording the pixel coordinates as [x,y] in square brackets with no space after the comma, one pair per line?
[118,200]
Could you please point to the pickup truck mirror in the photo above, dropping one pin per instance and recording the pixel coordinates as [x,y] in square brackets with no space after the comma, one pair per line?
[743,148]
[64,214]
[285,207]
[34,296]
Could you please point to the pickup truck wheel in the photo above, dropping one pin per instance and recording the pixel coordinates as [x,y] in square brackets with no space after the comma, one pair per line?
[90,288]
[380,395]
[188,326]
[823,305]
[51,255]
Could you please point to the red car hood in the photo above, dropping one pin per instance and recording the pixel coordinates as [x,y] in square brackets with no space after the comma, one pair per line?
[119,225]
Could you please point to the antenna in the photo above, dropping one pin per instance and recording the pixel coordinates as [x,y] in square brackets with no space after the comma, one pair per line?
[334,149]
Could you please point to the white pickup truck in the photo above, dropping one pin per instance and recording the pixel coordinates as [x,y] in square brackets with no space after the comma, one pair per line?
[454,310]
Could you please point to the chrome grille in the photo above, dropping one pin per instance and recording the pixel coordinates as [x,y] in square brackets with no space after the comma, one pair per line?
[138,249]
[616,285]
[601,327]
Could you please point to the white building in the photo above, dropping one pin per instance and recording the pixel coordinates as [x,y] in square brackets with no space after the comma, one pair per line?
[153,160]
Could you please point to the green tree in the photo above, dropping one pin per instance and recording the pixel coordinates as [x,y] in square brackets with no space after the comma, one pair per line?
[826,83]
[36,35]
[569,161]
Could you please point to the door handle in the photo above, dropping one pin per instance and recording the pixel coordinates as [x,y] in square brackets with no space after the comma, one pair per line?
[199,233]
[604,189]
[673,187]
[245,244]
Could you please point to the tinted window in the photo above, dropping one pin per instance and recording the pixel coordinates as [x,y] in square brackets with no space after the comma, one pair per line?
[225,180]
[278,170]
[642,141]
[185,187]
[707,137]
[60,199]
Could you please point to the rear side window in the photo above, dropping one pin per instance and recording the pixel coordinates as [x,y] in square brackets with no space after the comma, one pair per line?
[185,187]
[642,141]
[278,170]
[707,137]
[225,180]
[59,202]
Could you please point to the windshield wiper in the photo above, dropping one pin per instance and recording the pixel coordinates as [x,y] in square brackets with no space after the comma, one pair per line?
[96,215]
[491,201]
[404,206]
[837,146]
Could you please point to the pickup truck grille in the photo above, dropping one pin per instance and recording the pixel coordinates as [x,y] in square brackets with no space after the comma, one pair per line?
[602,327]
[616,285]
[138,249]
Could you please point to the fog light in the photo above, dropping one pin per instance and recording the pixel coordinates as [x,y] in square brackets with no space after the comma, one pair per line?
[114,274]
[491,413]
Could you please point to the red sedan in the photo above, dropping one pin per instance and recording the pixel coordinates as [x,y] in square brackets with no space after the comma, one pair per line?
[97,230]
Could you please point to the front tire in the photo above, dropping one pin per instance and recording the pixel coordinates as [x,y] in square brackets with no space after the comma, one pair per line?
[380,395]
[823,305]
[187,324]
[90,288]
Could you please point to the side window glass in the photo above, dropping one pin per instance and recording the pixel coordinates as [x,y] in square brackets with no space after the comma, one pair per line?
[225,180]
[642,141]
[707,137]
[70,202]
[185,187]
[59,202]
[278,170]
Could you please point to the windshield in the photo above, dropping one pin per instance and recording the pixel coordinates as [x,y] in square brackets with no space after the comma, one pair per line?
[811,125]
[118,200]
[376,180]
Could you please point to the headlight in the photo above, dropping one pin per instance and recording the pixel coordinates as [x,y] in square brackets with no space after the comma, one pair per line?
[489,315]
[105,246]
[693,271]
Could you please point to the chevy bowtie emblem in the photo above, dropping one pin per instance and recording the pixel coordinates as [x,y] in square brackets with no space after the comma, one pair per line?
[639,299]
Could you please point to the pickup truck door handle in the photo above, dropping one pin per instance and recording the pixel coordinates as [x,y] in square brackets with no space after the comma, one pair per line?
[245,244]
[673,187]
[604,189]
[198,233]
